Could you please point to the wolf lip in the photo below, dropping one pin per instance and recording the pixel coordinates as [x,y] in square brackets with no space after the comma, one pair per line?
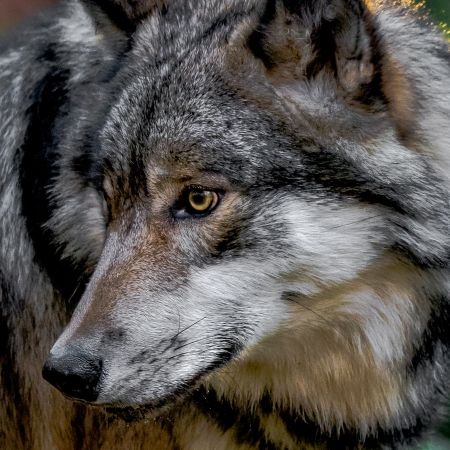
[129,412]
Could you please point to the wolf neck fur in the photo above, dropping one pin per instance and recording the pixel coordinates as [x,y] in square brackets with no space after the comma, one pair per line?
[329,382]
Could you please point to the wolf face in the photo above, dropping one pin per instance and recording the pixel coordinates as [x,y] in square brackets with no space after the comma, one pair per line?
[266,215]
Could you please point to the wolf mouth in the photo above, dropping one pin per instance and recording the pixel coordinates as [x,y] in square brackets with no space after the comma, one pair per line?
[151,409]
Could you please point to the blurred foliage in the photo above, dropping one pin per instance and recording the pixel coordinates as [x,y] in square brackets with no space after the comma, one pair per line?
[446,430]
[440,9]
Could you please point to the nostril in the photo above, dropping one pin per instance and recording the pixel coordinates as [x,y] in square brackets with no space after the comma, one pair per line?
[75,375]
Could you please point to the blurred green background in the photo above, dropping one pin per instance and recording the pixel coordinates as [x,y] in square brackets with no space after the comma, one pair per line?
[12,11]
[440,9]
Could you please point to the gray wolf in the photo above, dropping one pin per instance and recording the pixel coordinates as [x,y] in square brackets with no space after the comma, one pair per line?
[243,205]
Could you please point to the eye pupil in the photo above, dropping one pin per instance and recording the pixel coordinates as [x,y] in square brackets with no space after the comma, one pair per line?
[199,199]
[202,201]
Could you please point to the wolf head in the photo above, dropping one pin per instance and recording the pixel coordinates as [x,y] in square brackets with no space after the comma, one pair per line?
[274,210]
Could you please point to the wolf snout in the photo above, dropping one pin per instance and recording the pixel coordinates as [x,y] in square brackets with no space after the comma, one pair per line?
[75,373]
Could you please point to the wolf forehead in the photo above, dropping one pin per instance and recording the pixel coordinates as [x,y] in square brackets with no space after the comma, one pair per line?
[190,110]
[192,91]
[180,129]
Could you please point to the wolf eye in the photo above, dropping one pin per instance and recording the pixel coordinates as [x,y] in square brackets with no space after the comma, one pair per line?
[197,202]
[202,201]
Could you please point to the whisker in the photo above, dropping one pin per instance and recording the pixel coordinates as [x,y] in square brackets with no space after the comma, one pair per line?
[179,355]
[324,319]
[193,342]
[355,222]
[75,291]
[173,338]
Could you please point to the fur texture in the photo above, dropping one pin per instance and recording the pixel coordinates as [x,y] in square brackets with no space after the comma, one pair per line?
[309,308]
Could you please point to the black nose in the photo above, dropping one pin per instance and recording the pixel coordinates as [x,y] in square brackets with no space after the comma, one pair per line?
[74,374]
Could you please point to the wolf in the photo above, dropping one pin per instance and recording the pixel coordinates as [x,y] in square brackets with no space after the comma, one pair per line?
[226,222]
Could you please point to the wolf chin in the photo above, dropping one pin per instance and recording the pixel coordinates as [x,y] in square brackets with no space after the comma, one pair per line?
[227,220]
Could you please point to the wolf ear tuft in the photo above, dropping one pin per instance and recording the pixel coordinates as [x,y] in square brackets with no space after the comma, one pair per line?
[124,14]
[300,39]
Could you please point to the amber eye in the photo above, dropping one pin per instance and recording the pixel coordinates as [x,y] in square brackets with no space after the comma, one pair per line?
[201,201]
[196,201]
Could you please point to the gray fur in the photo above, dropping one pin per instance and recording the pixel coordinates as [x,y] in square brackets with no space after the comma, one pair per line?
[310,308]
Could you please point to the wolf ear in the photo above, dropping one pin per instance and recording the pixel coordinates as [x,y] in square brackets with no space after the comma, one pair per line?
[300,39]
[124,14]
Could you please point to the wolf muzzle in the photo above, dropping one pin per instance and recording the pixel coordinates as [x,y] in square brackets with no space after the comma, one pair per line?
[75,373]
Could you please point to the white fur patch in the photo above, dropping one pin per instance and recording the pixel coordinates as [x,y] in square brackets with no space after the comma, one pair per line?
[332,242]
